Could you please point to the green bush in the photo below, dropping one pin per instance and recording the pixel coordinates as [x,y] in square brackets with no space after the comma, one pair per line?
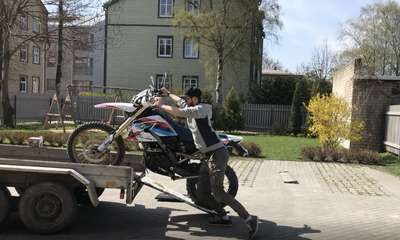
[295,120]
[277,129]
[231,117]
[253,148]
[389,158]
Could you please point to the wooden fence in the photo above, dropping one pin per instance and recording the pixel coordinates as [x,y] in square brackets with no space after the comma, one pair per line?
[34,108]
[392,129]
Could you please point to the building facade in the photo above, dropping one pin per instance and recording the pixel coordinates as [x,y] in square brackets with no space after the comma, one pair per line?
[27,64]
[143,43]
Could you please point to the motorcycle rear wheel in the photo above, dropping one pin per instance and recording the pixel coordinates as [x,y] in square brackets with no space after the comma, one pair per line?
[83,142]
[231,186]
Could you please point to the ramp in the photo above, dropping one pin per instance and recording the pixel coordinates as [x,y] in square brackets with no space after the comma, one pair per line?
[153,184]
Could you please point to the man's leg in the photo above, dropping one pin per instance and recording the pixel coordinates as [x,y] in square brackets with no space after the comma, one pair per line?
[204,191]
[217,166]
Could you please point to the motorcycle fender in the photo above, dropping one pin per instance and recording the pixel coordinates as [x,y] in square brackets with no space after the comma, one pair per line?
[126,107]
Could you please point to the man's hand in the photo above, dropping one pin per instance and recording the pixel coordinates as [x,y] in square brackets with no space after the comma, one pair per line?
[165,91]
[158,101]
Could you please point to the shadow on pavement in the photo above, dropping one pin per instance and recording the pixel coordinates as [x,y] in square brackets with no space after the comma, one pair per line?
[266,229]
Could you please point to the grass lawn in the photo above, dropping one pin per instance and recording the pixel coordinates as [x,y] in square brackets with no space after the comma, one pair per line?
[280,147]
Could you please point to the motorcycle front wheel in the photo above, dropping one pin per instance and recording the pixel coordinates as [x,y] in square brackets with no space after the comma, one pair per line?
[231,186]
[83,143]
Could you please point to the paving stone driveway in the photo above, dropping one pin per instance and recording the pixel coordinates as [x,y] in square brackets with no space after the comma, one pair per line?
[330,201]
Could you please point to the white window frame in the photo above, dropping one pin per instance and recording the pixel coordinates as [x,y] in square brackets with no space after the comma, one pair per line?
[24,53]
[160,82]
[193,6]
[36,25]
[23,83]
[36,55]
[190,81]
[165,8]
[193,46]
[162,43]
[35,84]
[24,21]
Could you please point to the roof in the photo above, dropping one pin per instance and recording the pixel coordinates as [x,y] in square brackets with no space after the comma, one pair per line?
[383,78]
[109,3]
[267,71]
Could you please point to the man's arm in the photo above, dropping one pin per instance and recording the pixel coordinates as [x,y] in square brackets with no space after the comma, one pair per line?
[171,110]
[181,103]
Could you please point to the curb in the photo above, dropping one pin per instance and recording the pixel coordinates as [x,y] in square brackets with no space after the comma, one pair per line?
[56,154]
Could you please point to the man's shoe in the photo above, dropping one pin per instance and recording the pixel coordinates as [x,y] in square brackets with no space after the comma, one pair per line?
[219,222]
[253,225]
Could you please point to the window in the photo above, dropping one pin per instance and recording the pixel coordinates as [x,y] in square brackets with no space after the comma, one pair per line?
[24,53]
[191,49]
[51,62]
[165,46]
[51,84]
[36,26]
[83,66]
[165,8]
[23,83]
[24,22]
[189,81]
[162,82]
[193,6]
[36,55]
[35,84]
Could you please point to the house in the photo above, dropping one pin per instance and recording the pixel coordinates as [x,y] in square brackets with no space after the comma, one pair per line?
[143,43]
[267,73]
[371,95]
[27,65]
[83,59]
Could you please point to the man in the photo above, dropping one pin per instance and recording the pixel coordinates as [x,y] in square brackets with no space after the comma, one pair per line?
[212,171]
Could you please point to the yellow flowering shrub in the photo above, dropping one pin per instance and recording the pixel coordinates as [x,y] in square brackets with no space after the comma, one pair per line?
[332,120]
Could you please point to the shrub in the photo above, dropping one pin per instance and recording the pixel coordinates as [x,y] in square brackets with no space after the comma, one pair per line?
[389,158]
[277,129]
[2,137]
[334,153]
[348,155]
[17,138]
[308,153]
[321,153]
[295,119]
[231,113]
[374,157]
[253,148]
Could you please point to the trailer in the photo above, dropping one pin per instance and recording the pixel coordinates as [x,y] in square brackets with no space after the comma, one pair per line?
[50,191]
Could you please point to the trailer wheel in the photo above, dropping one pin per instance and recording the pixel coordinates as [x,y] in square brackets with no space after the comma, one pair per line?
[82,196]
[5,203]
[47,207]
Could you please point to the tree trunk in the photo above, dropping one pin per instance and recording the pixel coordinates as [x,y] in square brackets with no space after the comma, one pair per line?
[8,111]
[60,46]
[218,90]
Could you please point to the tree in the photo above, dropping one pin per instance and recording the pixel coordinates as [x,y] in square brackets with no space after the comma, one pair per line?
[226,29]
[332,120]
[295,119]
[375,38]
[73,22]
[231,117]
[14,13]
[323,62]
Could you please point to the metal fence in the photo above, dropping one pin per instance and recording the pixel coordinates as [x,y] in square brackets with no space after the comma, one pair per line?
[30,107]
[392,129]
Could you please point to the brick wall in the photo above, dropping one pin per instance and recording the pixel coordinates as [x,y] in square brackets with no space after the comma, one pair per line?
[371,95]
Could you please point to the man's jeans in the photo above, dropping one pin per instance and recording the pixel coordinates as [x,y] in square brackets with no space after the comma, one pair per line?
[210,187]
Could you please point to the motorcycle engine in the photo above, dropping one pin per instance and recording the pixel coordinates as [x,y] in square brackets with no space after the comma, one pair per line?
[155,159]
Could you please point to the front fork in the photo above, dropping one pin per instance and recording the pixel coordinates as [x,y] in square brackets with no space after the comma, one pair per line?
[117,132]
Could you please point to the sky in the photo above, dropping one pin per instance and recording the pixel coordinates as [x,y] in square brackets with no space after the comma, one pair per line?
[306,24]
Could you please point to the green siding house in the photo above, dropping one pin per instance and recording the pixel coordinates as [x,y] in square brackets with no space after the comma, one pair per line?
[141,42]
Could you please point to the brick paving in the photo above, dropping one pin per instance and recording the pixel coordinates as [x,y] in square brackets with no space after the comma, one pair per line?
[330,201]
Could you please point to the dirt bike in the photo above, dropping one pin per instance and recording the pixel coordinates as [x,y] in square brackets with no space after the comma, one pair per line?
[168,147]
